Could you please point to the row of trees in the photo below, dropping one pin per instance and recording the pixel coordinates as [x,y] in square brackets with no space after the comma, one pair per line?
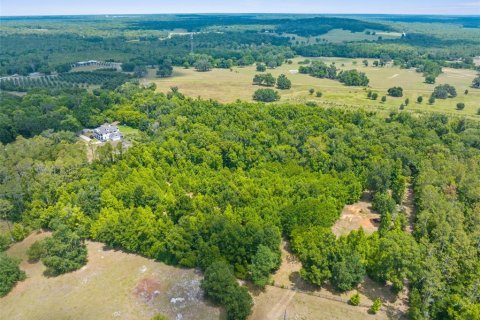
[319,69]
[268,80]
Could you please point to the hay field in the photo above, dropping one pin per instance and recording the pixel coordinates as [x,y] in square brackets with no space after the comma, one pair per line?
[229,85]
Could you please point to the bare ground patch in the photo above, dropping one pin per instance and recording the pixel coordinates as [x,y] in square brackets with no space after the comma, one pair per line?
[356,216]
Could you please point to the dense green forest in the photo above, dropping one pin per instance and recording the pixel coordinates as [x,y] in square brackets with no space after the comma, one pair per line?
[49,44]
[217,186]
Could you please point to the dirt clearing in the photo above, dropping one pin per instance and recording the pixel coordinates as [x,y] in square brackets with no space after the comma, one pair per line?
[356,216]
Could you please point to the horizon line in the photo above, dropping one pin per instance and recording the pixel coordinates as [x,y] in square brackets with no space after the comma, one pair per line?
[239,13]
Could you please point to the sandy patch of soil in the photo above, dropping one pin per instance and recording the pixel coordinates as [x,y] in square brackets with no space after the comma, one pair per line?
[356,216]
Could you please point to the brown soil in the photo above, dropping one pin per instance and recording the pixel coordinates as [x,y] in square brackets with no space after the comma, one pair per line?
[356,216]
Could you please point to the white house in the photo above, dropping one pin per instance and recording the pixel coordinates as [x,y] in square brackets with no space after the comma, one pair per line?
[108,132]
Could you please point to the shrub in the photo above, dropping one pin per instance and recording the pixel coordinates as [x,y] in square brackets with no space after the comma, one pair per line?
[384,98]
[261,67]
[36,251]
[19,232]
[430,79]
[460,106]
[264,80]
[319,94]
[420,99]
[220,286]
[311,91]
[10,273]
[64,252]
[5,242]
[377,304]
[283,82]
[431,100]
[354,299]
[266,95]
[353,78]
[395,92]
[374,96]
[444,91]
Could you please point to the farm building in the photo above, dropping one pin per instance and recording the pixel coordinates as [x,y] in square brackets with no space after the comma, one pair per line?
[108,132]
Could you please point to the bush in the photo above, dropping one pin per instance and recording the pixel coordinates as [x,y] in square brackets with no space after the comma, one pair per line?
[283,82]
[430,79]
[444,91]
[319,94]
[5,242]
[203,65]
[384,98]
[261,67]
[221,287]
[353,78]
[64,252]
[377,304]
[264,80]
[460,106]
[420,99]
[395,92]
[263,263]
[311,91]
[374,96]
[10,273]
[355,299]
[431,100]
[36,251]
[19,232]
[266,95]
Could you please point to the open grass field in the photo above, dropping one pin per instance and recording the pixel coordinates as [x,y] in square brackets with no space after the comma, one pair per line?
[340,35]
[113,285]
[228,86]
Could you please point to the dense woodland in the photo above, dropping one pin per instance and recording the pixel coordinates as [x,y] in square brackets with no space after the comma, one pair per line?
[214,184]
[48,44]
[217,187]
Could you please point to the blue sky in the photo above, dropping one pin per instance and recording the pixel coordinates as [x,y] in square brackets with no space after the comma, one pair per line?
[57,7]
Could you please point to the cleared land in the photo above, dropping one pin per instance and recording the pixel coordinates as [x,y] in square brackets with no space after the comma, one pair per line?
[113,285]
[228,86]
[300,300]
[356,216]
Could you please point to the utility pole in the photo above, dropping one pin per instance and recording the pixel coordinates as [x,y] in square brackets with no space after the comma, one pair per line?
[191,43]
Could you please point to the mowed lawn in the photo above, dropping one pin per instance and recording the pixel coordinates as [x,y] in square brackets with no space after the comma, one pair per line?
[228,86]
[113,285]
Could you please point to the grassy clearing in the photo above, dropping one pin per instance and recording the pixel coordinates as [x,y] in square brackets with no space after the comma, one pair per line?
[129,132]
[113,285]
[228,86]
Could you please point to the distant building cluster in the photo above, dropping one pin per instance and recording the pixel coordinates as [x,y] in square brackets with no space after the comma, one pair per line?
[107,132]
[115,65]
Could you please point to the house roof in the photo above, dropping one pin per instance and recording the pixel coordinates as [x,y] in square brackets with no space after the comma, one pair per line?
[106,129]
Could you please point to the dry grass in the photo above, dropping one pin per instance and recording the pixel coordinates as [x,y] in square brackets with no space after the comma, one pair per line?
[113,285]
[303,301]
[227,86]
